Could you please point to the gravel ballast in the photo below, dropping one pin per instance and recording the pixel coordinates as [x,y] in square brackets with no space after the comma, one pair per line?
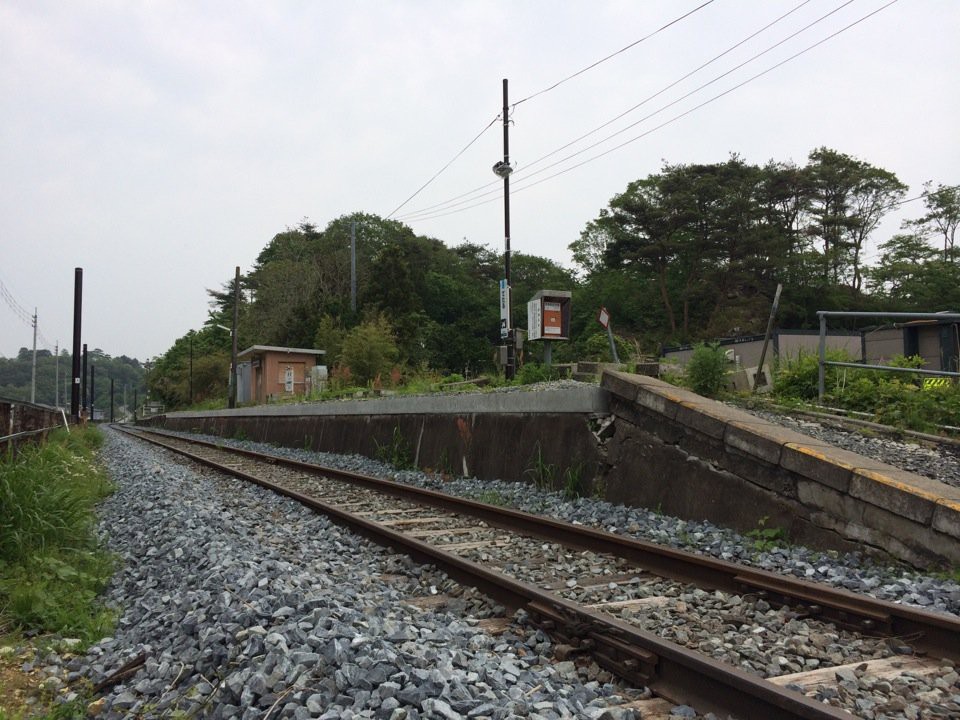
[856,572]
[247,605]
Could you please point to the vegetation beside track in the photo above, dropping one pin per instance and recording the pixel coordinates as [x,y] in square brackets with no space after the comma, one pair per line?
[900,400]
[52,567]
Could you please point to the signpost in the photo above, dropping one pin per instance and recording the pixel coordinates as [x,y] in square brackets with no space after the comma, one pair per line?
[603,317]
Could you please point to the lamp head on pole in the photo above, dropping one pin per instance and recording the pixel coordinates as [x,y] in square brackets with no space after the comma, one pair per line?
[502,169]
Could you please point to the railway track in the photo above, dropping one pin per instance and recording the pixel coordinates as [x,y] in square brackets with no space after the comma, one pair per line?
[656,617]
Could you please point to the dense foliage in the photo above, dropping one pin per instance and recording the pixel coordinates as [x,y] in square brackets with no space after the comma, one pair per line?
[127,374]
[693,252]
[898,399]
[51,566]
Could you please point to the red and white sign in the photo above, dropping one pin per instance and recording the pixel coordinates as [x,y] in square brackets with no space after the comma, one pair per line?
[603,317]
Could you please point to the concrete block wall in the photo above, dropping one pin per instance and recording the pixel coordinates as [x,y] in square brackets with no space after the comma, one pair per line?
[700,459]
[487,435]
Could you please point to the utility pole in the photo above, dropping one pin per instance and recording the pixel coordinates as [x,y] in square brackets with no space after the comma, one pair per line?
[75,359]
[93,388]
[233,353]
[353,267]
[56,375]
[503,169]
[111,399]
[191,367]
[83,384]
[33,371]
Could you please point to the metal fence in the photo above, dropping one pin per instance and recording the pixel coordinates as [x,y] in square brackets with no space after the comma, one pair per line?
[823,362]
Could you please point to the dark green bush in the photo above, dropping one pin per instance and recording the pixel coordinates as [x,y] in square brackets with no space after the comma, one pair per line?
[707,369]
[897,399]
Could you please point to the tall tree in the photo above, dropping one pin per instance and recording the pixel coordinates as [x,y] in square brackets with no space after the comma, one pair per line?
[942,218]
[851,197]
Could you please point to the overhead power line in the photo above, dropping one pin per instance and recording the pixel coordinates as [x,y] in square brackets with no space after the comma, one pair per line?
[661,125]
[612,55]
[449,163]
[705,85]
[541,92]
[451,203]
[25,316]
[714,98]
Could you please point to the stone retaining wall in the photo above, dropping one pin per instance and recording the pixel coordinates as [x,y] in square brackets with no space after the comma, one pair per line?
[700,459]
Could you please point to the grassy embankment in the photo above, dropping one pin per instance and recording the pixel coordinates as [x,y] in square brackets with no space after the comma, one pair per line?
[51,566]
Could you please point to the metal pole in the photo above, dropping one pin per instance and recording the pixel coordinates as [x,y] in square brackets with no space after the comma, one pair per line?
[75,359]
[134,404]
[823,357]
[766,337]
[233,353]
[33,371]
[613,344]
[191,367]
[56,375]
[510,369]
[83,383]
[111,399]
[93,389]
[353,267]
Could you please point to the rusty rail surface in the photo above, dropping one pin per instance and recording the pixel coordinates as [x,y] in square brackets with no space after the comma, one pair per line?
[669,670]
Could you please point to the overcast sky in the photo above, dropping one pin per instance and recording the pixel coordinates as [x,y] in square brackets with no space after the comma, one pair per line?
[157,145]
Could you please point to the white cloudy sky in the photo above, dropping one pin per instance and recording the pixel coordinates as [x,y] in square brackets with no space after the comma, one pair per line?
[159,144]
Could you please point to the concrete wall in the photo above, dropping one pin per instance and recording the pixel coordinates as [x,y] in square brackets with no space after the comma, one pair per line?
[784,344]
[883,344]
[670,449]
[497,435]
[700,459]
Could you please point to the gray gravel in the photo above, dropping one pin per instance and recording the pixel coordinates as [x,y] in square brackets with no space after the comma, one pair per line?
[937,463]
[852,571]
[248,605]
[242,615]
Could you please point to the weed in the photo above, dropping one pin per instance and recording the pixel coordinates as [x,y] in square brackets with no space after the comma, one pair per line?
[240,434]
[574,485]
[541,471]
[308,442]
[444,464]
[51,568]
[493,497]
[396,453]
[766,538]
[949,574]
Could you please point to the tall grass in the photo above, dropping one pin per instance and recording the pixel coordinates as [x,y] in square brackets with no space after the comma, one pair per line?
[51,568]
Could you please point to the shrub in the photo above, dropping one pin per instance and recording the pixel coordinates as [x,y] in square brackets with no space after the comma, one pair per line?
[597,347]
[896,399]
[533,373]
[707,369]
[370,350]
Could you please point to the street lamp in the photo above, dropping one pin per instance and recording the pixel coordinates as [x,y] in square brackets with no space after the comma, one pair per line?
[232,383]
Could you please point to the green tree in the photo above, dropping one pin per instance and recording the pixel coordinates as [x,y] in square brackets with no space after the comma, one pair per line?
[369,350]
[942,217]
[851,197]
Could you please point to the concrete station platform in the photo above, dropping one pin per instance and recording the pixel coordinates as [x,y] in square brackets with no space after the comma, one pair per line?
[668,448]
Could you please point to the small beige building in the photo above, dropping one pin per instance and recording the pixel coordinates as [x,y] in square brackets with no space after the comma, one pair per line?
[266,373]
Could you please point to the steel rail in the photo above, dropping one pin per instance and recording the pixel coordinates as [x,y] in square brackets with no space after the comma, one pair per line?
[667,669]
[936,634]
